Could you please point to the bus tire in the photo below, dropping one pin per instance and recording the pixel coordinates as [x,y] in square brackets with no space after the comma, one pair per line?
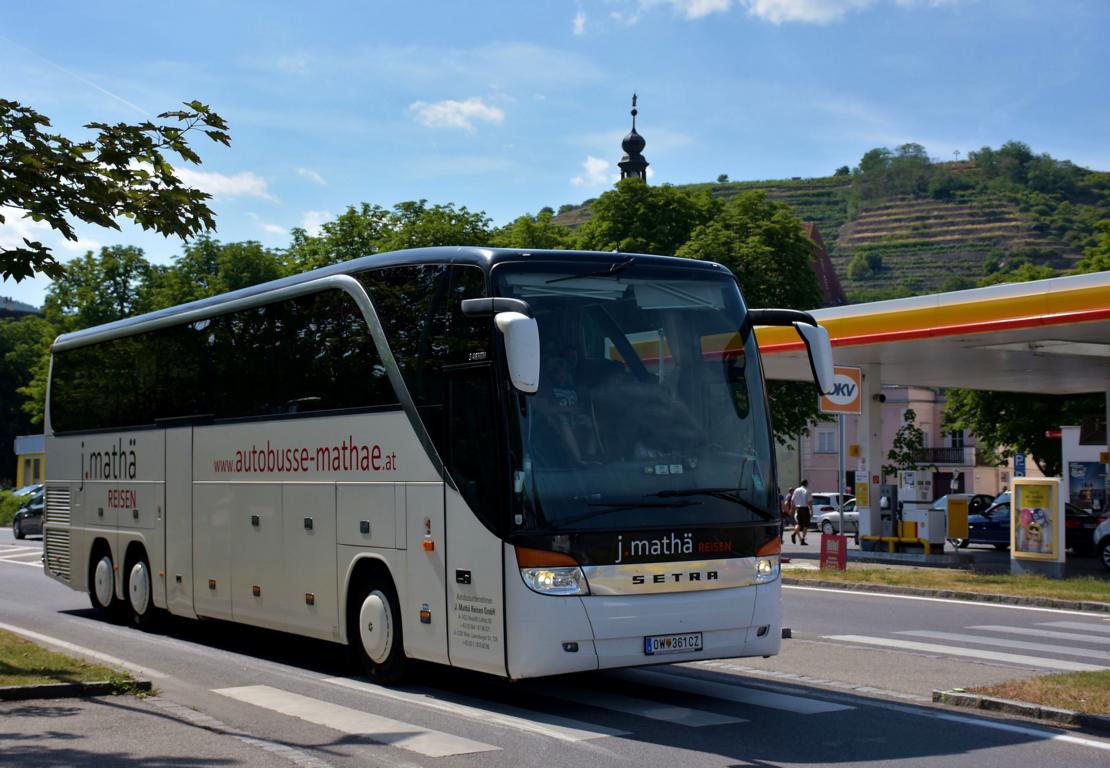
[139,588]
[102,587]
[374,633]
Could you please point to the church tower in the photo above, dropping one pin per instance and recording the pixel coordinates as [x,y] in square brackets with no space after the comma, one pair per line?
[633,165]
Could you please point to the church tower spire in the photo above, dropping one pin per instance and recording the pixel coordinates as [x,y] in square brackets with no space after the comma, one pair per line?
[633,165]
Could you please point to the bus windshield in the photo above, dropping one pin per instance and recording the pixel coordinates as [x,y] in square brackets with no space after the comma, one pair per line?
[651,410]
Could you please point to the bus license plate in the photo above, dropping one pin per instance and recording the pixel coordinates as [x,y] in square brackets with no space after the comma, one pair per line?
[689,642]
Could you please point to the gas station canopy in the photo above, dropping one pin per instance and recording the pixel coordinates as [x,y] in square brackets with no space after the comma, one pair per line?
[1050,336]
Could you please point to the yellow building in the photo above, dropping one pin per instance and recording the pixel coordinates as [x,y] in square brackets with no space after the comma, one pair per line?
[30,460]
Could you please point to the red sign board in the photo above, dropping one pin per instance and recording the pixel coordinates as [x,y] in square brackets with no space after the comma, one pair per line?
[834,551]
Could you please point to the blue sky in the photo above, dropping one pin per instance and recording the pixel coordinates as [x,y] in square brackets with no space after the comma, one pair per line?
[506,107]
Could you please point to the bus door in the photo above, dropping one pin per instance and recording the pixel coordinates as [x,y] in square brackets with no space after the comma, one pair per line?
[178,512]
[475,562]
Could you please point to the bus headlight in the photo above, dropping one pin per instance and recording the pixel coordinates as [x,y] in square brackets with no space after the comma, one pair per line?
[567,580]
[766,569]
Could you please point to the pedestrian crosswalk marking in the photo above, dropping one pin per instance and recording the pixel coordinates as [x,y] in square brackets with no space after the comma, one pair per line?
[652,710]
[384,730]
[1046,633]
[554,726]
[729,692]
[1005,642]
[21,555]
[894,643]
[1103,627]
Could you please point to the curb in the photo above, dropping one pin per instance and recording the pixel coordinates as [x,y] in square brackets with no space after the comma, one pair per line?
[950,594]
[1023,709]
[72,690]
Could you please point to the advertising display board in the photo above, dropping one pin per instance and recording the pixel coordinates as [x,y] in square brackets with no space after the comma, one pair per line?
[845,396]
[1037,525]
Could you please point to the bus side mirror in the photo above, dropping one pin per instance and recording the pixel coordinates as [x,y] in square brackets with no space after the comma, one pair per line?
[522,349]
[819,349]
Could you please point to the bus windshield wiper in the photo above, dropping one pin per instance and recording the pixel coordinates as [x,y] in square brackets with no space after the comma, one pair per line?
[614,268]
[608,507]
[728,494]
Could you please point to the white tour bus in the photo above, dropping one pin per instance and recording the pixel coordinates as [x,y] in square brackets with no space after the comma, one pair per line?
[523,463]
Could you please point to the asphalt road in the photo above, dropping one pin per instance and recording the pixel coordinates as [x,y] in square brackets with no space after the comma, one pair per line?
[848,690]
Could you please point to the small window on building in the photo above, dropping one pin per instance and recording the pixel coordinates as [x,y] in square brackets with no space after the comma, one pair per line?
[957,438]
[826,441]
[36,471]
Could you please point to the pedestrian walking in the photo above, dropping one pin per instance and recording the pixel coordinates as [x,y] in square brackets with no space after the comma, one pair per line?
[801,501]
[786,510]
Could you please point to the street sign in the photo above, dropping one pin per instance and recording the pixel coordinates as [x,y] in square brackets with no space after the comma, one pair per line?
[845,396]
[1019,465]
[834,551]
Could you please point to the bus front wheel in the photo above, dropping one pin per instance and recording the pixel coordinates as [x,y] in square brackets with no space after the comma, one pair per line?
[140,594]
[376,638]
[102,588]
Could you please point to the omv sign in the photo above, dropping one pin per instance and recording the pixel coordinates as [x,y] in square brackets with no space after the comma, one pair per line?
[845,395]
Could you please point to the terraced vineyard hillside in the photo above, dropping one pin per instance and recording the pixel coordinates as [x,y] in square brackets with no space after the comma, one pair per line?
[926,245]
[911,245]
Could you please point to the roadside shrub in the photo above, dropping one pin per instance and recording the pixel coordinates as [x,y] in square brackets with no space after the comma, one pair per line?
[9,505]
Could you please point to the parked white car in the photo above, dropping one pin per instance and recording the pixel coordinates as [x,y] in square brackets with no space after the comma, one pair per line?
[829,522]
[1102,542]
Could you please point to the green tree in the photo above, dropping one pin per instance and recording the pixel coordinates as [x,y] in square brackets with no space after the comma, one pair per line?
[22,345]
[1014,422]
[638,218]
[98,289]
[123,171]
[208,268]
[909,445]
[1097,257]
[370,229]
[764,245]
[539,231]
[414,224]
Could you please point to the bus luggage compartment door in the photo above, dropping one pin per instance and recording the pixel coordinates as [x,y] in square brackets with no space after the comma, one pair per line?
[423,604]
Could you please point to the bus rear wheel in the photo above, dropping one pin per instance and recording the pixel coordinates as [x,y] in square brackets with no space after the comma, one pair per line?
[375,634]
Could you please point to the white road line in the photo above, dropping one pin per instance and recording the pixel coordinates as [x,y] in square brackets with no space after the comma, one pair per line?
[1102,627]
[729,692]
[894,644]
[1046,735]
[554,726]
[652,710]
[1074,637]
[20,562]
[5,551]
[964,603]
[89,652]
[423,741]
[1017,645]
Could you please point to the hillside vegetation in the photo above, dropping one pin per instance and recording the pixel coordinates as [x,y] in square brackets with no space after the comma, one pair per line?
[901,224]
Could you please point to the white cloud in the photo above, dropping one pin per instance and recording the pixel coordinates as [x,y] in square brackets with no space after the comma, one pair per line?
[273,229]
[595,173]
[80,245]
[15,228]
[691,9]
[312,175]
[811,11]
[456,114]
[313,221]
[245,184]
[579,22]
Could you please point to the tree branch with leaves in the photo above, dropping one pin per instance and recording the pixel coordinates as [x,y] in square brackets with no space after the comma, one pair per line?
[123,171]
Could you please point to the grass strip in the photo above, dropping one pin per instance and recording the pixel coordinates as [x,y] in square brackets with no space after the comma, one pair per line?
[1078,691]
[24,663]
[1023,585]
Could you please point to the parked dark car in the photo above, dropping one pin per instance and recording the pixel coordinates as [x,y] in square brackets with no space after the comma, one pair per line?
[993,527]
[28,519]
